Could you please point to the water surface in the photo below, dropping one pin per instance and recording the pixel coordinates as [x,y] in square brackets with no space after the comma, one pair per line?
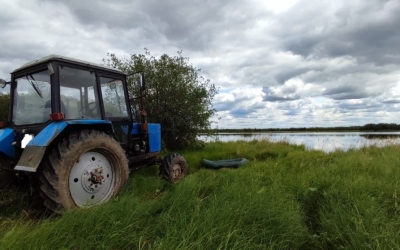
[326,141]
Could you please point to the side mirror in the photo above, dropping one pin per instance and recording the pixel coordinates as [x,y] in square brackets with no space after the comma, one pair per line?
[3,83]
[142,81]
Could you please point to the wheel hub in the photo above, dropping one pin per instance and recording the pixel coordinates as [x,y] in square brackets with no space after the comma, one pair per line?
[96,176]
[91,179]
[176,171]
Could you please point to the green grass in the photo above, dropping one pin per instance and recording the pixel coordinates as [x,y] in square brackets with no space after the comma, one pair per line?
[284,198]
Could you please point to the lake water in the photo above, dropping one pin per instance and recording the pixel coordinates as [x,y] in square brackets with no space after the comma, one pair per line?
[326,141]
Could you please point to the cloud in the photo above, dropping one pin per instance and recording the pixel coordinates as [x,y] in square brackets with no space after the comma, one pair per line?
[365,30]
[391,96]
[239,101]
[359,104]
[292,89]
[343,92]
[281,64]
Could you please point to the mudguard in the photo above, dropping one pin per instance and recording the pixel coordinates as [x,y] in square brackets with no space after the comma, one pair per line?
[35,150]
[6,140]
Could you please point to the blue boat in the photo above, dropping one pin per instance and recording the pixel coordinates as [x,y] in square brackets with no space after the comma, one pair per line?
[231,163]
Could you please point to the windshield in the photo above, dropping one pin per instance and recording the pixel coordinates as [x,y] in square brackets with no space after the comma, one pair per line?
[32,103]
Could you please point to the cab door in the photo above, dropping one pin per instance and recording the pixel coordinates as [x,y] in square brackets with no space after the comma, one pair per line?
[116,106]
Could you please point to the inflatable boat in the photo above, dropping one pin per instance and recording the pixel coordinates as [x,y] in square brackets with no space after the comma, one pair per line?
[231,163]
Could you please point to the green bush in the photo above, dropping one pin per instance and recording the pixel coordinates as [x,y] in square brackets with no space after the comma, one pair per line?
[177,96]
[4,106]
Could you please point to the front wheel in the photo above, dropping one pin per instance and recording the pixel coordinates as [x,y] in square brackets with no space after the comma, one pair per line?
[174,167]
[85,169]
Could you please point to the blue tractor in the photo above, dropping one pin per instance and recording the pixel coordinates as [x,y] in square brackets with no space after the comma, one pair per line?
[71,130]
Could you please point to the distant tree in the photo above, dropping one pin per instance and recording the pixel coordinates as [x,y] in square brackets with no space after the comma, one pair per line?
[177,96]
[4,106]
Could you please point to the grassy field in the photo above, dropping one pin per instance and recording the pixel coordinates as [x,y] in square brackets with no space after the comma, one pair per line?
[284,198]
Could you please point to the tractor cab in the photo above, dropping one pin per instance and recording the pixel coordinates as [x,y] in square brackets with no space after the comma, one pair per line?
[60,88]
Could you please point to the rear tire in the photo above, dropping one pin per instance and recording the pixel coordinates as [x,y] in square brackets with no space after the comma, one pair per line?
[6,176]
[174,167]
[85,169]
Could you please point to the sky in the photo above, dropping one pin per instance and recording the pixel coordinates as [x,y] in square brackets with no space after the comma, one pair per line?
[277,64]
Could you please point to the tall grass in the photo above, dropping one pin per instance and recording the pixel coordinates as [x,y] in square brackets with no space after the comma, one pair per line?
[284,198]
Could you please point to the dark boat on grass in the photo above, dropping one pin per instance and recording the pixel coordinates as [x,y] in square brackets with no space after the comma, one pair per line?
[231,163]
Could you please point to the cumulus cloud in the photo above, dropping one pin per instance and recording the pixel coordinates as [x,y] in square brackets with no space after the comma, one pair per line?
[240,102]
[292,89]
[391,96]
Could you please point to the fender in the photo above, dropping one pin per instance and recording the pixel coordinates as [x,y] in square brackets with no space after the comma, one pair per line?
[35,150]
[6,140]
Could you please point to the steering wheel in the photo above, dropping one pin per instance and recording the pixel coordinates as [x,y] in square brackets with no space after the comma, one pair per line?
[88,110]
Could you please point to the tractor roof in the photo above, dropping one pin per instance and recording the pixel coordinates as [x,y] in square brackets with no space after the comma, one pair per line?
[69,60]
